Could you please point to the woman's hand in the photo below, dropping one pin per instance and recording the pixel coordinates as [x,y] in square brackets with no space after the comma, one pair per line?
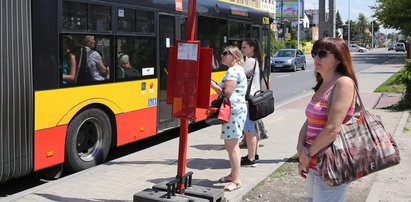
[302,170]
[304,157]
[215,87]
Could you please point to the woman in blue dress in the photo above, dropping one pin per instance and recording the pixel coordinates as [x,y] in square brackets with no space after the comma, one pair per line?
[234,85]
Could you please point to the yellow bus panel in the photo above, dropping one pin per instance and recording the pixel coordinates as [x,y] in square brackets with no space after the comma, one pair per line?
[57,107]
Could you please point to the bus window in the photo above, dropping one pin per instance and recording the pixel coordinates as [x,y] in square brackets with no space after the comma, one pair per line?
[145,22]
[136,57]
[74,16]
[126,20]
[80,58]
[211,32]
[240,30]
[100,18]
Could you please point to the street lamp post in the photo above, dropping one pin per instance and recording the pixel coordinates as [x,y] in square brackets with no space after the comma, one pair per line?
[298,24]
[349,27]
[372,32]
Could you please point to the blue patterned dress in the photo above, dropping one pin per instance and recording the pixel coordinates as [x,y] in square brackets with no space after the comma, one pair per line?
[234,128]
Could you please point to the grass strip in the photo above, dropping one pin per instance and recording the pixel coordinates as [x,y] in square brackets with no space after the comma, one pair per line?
[278,173]
[392,84]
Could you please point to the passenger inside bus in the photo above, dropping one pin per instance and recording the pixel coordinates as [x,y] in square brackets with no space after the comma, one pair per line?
[97,69]
[124,69]
[69,60]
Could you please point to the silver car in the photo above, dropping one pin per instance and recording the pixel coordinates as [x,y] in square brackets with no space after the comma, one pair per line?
[288,59]
[356,48]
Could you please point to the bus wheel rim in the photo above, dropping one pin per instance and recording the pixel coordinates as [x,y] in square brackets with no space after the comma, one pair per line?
[89,139]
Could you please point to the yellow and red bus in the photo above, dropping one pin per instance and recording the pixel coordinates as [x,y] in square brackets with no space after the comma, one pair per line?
[59,109]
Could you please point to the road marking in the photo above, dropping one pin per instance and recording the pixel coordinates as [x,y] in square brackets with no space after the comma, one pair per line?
[283,76]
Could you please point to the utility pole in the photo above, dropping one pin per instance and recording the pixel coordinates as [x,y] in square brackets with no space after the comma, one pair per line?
[298,24]
[372,32]
[349,22]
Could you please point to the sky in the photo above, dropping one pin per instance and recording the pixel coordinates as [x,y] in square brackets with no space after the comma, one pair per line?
[356,7]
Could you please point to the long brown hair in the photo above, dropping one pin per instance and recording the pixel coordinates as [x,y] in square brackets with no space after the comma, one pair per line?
[341,52]
[257,52]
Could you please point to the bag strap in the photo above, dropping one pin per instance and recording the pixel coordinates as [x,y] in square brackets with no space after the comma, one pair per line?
[265,81]
[247,94]
[330,98]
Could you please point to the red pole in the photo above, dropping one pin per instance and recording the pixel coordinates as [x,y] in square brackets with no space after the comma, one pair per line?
[191,22]
[182,154]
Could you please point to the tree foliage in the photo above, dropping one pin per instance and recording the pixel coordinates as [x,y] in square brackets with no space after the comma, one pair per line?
[338,21]
[394,14]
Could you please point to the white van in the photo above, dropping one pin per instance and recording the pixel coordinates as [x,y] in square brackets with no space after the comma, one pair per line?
[400,47]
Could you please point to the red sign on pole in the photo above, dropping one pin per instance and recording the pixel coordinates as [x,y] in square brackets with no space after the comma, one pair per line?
[186,76]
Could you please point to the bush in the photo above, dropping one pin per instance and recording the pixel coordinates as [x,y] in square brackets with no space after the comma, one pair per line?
[405,78]
[276,45]
[291,44]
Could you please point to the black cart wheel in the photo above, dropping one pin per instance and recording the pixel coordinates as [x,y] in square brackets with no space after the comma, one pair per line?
[88,140]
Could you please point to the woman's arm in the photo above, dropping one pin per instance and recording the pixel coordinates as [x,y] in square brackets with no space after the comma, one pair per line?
[229,87]
[342,100]
[248,66]
[102,68]
[72,73]
[301,137]
[215,87]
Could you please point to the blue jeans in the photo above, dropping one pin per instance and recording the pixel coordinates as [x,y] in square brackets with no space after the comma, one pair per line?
[249,125]
[318,191]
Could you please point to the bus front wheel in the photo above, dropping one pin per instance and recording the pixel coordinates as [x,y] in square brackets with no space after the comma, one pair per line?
[88,140]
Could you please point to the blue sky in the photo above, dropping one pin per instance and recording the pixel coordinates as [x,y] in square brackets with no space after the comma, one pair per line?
[356,7]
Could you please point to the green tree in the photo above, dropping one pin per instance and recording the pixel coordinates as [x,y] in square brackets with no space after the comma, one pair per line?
[394,14]
[338,21]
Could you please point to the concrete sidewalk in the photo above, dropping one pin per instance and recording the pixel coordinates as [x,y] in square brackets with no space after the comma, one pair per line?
[120,179]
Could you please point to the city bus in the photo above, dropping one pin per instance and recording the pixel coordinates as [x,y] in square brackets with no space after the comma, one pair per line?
[79,77]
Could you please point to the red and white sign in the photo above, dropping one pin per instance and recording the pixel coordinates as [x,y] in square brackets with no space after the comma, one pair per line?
[179,5]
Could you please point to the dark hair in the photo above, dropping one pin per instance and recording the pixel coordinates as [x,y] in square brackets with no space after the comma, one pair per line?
[257,52]
[341,52]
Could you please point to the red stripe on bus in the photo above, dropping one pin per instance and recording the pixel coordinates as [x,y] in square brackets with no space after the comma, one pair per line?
[49,147]
[136,125]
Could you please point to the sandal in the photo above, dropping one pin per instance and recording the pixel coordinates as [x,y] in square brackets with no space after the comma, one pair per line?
[224,179]
[232,186]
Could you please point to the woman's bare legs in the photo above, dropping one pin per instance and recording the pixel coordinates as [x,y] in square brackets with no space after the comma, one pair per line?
[234,154]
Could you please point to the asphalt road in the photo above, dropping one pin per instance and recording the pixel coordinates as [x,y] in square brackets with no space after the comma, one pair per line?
[291,85]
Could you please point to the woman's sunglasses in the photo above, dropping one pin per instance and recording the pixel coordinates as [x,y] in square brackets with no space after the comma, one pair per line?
[320,53]
[226,53]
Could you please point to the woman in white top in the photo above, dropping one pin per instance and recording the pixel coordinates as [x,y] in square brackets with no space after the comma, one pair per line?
[251,50]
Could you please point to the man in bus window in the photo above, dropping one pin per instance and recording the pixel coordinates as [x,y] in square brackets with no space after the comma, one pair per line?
[97,69]
[124,69]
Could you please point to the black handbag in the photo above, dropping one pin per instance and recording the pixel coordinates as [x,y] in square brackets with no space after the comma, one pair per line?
[261,104]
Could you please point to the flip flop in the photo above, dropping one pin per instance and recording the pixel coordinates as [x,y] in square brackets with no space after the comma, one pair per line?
[224,179]
[232,186]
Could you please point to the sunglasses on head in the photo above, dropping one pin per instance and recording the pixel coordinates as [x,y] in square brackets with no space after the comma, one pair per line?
[320,53]
[226,53]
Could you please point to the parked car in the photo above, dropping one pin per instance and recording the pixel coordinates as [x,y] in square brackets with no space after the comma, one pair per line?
[288,59]
[356,48]
[399,47]
[391,47]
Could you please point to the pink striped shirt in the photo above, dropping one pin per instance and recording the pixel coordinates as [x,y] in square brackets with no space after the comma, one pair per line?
[316,113]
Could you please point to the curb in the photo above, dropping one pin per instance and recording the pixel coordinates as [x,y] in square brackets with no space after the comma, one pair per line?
[377,188]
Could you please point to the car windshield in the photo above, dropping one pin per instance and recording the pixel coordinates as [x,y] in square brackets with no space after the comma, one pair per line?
[285,53]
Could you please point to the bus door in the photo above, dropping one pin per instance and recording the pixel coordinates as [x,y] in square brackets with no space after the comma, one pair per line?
[167,37]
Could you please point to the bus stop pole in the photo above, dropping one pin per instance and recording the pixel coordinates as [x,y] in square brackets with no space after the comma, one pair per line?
[182,154]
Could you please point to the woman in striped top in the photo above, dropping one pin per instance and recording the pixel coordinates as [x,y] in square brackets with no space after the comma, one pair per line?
[333,69]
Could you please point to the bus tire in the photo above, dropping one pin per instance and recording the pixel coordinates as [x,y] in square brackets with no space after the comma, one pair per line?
[88,140]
